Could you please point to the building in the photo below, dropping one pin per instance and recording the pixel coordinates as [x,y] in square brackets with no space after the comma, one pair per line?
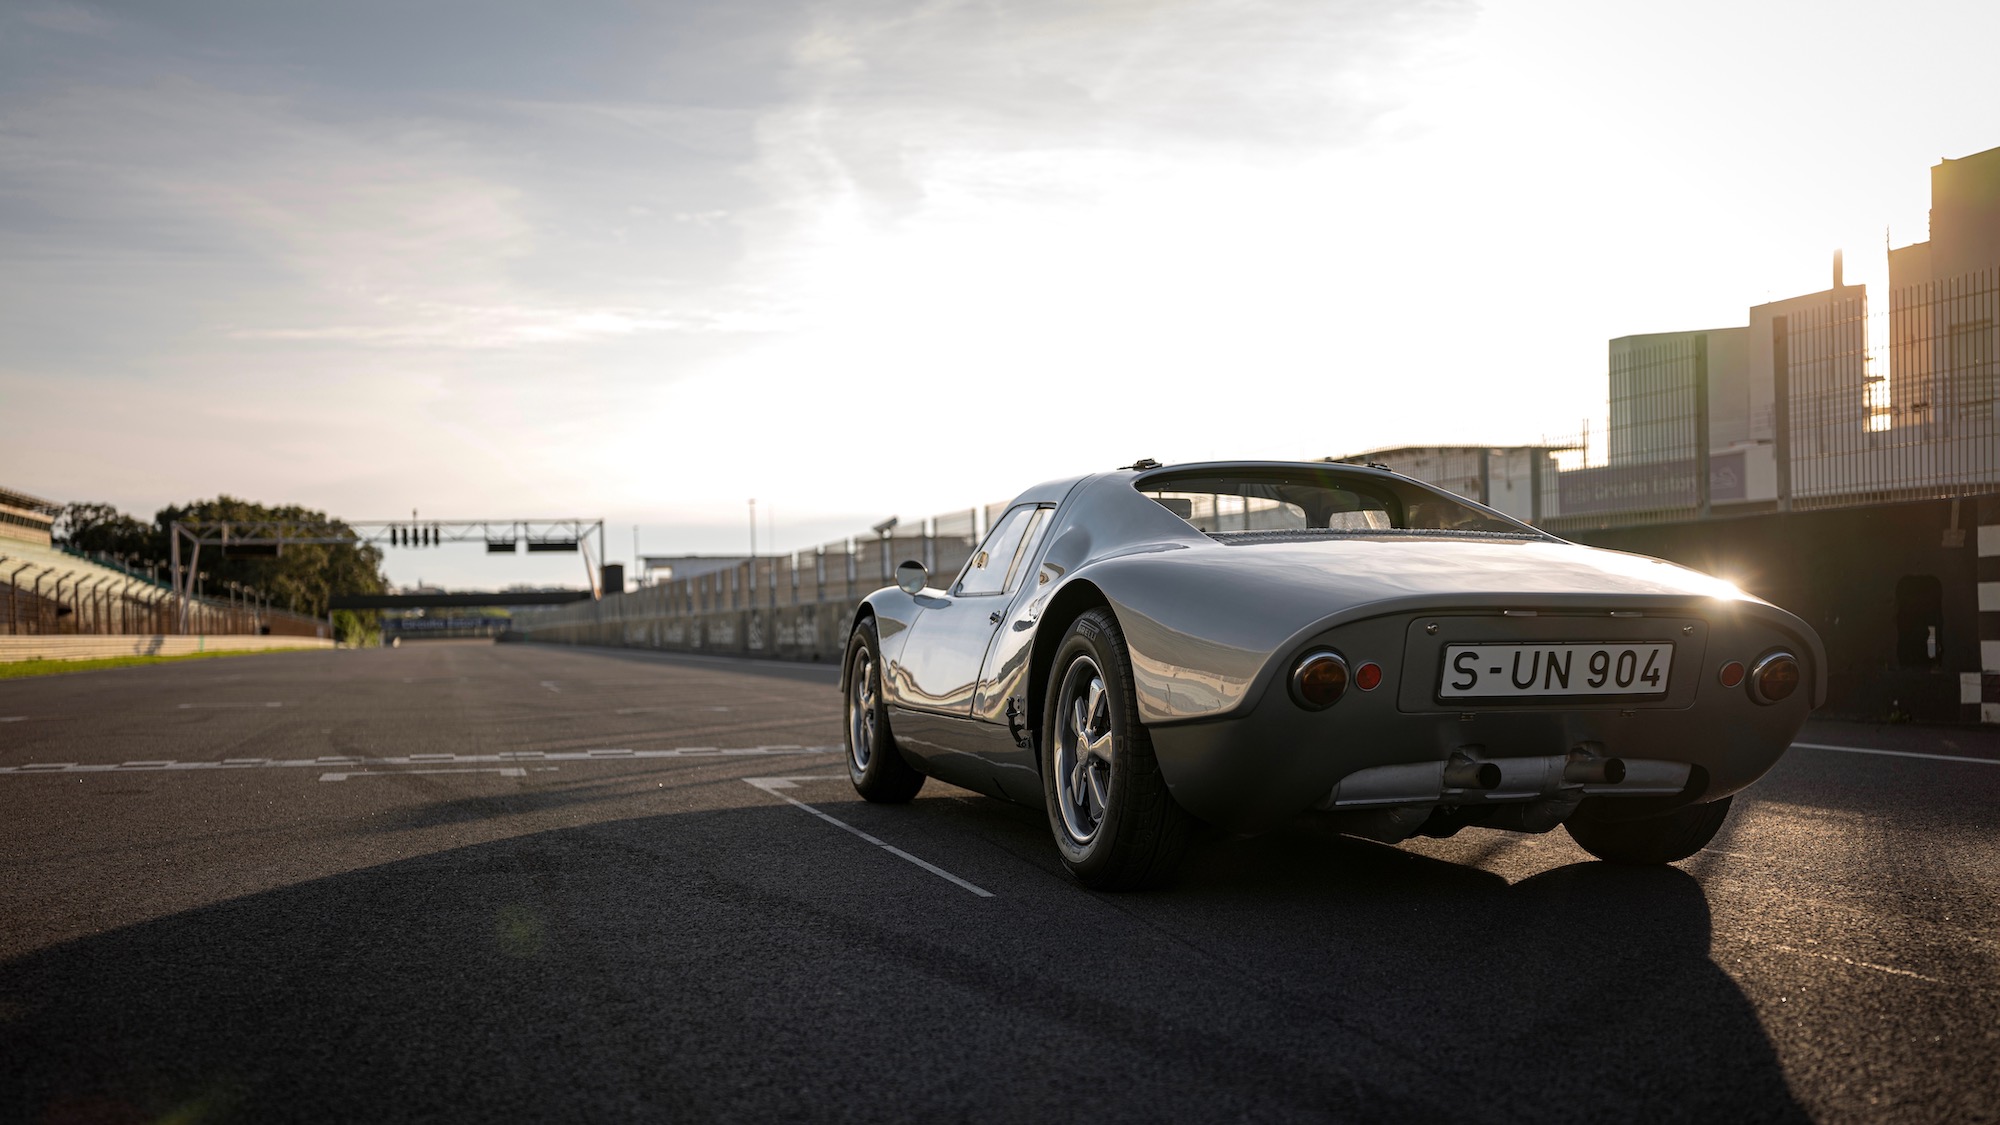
[1810,394]
[1944,305]
[665,568]
[1506,478]
[26,518]
[1673,393]
[1736,407]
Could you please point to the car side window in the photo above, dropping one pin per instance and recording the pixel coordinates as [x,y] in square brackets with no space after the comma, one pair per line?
[993,563]
[1031,541]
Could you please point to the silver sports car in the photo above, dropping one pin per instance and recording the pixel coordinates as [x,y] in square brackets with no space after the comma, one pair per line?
[1244,642]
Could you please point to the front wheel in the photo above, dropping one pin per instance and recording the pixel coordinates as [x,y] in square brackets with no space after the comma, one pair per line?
[1654,839]
[874,765]
[1115,824]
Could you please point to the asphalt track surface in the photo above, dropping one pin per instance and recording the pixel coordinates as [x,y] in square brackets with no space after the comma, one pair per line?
[461,882]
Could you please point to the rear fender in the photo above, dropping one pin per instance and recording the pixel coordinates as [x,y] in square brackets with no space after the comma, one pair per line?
[1204,641]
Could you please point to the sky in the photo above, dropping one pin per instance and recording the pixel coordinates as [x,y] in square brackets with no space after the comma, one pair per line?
[646,261]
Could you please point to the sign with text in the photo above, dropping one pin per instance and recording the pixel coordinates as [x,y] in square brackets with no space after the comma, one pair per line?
[1657,484]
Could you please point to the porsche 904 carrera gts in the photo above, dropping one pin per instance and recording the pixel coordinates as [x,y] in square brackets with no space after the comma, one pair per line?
[1242,643]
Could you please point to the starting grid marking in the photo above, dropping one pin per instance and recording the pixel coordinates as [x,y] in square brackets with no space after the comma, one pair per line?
[772,785]
[514,771]
[366,765]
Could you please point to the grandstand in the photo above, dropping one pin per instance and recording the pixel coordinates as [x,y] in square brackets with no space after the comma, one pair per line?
[49,590]
[25,518]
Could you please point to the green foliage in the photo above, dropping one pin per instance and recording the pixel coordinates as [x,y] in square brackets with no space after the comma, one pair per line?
[20,669]
[302,580]
[357,630]
[101,527]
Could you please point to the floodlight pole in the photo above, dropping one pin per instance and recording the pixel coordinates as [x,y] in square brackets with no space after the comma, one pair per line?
[180,603]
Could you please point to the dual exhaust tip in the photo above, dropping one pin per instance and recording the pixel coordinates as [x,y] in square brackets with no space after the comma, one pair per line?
[1466,772]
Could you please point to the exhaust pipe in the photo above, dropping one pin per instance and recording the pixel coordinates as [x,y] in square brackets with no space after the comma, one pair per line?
[1582,770]
[1465,772]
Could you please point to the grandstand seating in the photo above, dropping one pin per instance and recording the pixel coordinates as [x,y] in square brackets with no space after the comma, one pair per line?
[49,590]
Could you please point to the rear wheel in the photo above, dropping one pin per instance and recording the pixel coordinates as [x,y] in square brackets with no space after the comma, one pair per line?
[1655,839]
[874,765]
[1115,824]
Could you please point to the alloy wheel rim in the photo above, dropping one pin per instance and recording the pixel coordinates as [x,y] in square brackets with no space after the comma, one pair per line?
[861,712]
[1083,750]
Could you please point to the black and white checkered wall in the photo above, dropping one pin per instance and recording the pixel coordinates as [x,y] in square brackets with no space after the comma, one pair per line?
[1981,691]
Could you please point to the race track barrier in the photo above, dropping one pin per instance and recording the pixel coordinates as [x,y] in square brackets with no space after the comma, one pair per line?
[101,647]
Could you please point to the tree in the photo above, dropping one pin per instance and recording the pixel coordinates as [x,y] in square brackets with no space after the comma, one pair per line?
[303,579]
[101,527]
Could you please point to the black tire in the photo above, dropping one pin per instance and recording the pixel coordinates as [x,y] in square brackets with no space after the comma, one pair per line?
[1654,839]
[874,765]
[1137,835]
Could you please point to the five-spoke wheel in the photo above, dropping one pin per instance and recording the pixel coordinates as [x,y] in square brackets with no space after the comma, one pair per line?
[861,695]
[874,765]
[1115,825]
[1083,750]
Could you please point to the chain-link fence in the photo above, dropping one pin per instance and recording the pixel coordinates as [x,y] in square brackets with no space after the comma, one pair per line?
[1821,403]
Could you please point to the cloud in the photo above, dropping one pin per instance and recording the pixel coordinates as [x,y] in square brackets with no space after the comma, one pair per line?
[398,233]
[68,19]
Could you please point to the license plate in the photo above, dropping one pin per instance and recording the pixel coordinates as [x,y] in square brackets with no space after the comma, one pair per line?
[1521,671]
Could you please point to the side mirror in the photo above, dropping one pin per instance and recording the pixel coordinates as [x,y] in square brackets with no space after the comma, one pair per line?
[912,576]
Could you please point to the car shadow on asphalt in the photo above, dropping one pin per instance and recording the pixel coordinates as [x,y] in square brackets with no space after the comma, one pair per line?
[752,963]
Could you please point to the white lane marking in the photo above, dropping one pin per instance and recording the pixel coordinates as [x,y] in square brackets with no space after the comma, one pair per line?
[1856,964]
[1896,753]
[514,772]
[771,785]
[190,706]
[617,755]
[551,685]
[12,718]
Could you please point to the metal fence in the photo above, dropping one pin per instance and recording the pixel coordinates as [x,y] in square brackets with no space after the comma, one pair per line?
[1832,404]
[51,591]
[1902,404]
[790,605]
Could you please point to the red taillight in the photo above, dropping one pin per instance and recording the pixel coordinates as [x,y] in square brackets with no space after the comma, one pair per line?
[1368,677]
[1732,673]
[1319,680]
[1775,678]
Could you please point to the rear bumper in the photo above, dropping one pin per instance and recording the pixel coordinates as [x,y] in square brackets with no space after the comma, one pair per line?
[1269,759]
[1257,771]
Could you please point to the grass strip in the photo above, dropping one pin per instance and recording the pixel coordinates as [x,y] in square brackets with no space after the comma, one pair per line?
[19,669]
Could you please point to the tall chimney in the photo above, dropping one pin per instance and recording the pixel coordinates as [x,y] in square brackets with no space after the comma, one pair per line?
[1836,269]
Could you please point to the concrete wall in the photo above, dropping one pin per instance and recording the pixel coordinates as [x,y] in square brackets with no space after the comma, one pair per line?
[1840,570]
[97,648]
[813,631]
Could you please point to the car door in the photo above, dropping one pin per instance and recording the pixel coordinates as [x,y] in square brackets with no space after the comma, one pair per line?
[935,678]
[938,668]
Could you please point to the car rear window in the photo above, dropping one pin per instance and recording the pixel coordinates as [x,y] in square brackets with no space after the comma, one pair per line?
[1252,505]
